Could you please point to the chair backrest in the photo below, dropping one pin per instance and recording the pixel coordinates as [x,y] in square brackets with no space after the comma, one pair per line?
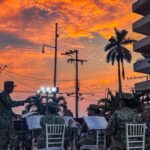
[55,135]
[135,136]
[101,139]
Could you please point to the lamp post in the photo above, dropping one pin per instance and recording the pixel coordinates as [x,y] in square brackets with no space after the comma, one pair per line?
[55,59]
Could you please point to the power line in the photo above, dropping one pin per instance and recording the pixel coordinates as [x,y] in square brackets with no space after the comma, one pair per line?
[34,78]
[22,83]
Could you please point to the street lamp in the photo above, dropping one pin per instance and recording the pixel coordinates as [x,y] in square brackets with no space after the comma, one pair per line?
[47,91]
[55,60]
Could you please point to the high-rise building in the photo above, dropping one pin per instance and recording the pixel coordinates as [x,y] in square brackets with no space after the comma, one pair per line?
[142,26]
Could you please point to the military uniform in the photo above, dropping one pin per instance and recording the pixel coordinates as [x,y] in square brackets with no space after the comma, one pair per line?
[117,126]
[47,119]
[6,104]
[147,121]
[88,137]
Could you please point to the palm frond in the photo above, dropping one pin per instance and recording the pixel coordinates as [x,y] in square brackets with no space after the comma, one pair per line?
[127,54]
[123,35]
[108,47]
[108,57]
[128,41]
[111,44]
[112,39]
[120,35]
[117,33]
[111,56]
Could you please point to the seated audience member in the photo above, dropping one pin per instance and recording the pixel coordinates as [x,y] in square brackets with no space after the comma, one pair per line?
[50,118]
[53,118]
[117,124]
[146,119]
[88,137]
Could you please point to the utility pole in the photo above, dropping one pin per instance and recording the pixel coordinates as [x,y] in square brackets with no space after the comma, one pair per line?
[55,58]
[76,60]
[55,63]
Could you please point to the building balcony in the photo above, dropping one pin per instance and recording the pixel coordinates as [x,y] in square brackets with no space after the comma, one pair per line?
[142,46]
[142,66]
[142,25]
[141,7]
[142,86]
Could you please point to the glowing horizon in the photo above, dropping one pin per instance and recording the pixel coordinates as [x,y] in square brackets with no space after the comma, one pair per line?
[84,25]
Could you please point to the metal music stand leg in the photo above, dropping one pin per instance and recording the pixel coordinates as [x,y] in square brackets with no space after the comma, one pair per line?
[23,137]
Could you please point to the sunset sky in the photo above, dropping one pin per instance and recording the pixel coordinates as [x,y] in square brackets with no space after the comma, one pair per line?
[86,25]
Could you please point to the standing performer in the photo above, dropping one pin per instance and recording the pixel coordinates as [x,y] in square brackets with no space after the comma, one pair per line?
[6,104]
[116,128]
[146,119]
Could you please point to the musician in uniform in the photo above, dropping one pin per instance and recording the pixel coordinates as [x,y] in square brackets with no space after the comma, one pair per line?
[6,114]
[50,118]
[88,136]
[117,123]
[146,119]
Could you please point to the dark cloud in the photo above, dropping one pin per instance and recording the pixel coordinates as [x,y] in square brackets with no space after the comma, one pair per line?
[10,39]
[93,45]
[96,38]
[35,17]
[33,13]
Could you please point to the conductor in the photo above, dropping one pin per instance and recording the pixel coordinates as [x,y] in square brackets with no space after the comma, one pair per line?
[6,104]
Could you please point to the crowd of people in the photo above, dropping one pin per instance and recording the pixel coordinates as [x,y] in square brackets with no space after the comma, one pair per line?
[115,131]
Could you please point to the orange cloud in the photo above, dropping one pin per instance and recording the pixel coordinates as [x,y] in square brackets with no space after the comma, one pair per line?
[84,25]
[77,18]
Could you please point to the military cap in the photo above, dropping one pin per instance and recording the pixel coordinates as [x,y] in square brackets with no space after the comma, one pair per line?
[9,83]
[93,107]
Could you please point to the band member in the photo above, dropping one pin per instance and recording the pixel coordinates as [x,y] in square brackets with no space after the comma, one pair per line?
[117,123]
[88,136]
[50,118]
[146,119]
[6,104]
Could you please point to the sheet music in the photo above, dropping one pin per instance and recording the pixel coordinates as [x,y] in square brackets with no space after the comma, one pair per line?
[95,122]
[28,114]
[67,118]
[33,122]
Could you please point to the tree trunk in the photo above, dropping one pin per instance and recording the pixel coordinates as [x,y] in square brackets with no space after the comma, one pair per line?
[119,79]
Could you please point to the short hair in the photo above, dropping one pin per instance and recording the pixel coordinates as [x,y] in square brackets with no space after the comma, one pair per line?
[52,108]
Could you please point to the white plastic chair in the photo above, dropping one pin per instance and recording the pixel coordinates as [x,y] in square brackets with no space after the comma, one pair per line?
[100,142]
[135,136]
[55,137]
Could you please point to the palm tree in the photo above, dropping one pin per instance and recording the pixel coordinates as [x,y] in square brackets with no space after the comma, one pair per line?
[118,52]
